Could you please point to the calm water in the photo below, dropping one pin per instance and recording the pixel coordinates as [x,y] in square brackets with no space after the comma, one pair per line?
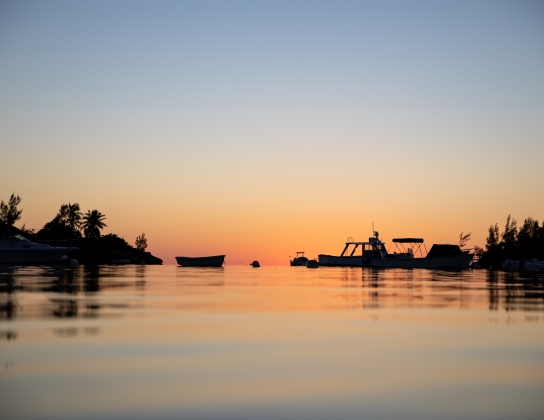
[288,342]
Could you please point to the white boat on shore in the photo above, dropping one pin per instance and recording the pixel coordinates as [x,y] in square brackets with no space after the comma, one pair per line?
[15,249]
[374,254]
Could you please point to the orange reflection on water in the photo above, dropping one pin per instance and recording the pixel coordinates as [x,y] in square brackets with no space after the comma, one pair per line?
[170,342]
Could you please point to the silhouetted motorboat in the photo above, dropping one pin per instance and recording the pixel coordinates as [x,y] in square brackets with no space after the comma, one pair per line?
[299,260]
[15,249]
[374,254]
[213,261]
[312,264]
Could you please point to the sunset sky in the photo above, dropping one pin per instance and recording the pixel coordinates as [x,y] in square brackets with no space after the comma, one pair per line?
[256,129]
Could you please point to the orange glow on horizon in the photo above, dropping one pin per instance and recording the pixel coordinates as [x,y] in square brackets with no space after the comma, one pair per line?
[271,232]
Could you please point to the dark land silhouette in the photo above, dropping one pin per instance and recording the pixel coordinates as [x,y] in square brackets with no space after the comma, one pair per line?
[83,231]
[70,227]
[523,244]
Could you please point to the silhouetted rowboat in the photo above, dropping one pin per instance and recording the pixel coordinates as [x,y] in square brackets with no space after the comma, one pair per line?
[214,261]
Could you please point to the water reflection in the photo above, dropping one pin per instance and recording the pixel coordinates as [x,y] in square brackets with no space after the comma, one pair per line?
[8,303]
[523,292]
[453,289]
[65,292]
[200,277]
[170,342]
[90,292]
[73,332]
[8,335]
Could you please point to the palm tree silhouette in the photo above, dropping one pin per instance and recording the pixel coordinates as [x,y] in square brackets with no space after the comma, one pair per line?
[73,216]
[69,215]
[93,221]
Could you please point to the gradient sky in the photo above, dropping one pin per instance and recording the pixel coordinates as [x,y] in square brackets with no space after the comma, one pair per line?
[258,129]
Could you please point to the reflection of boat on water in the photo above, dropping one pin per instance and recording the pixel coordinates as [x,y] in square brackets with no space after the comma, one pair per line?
[299,260]
[15,249]
[374,254]
[213,261]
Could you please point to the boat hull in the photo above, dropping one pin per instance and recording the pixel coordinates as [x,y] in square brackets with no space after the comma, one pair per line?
[213,261]
[446,262]
[337,261]
[33,256]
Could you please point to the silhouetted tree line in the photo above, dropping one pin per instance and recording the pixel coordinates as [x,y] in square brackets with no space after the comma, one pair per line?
[525,243]
[71,223]
[9,213]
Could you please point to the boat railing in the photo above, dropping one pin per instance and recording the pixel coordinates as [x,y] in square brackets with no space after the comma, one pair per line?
[56,242]
[475,257]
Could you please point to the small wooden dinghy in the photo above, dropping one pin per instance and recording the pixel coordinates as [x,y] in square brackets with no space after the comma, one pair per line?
[213,261]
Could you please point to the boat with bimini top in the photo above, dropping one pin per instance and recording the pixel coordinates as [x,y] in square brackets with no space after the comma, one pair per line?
[374,254]
[299,260]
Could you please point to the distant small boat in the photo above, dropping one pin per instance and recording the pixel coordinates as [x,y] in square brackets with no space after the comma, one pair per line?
[213,261]
[255,264]
[299,260]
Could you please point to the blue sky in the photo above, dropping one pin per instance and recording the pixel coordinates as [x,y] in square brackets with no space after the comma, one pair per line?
[215,54]
[229,97]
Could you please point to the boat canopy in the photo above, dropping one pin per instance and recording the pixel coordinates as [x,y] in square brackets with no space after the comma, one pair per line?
[444,250]
[408,240]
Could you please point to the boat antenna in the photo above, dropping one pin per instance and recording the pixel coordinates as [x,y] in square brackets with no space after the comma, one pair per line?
[374,233]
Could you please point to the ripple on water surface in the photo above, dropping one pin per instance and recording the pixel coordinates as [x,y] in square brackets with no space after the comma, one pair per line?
[236,342]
